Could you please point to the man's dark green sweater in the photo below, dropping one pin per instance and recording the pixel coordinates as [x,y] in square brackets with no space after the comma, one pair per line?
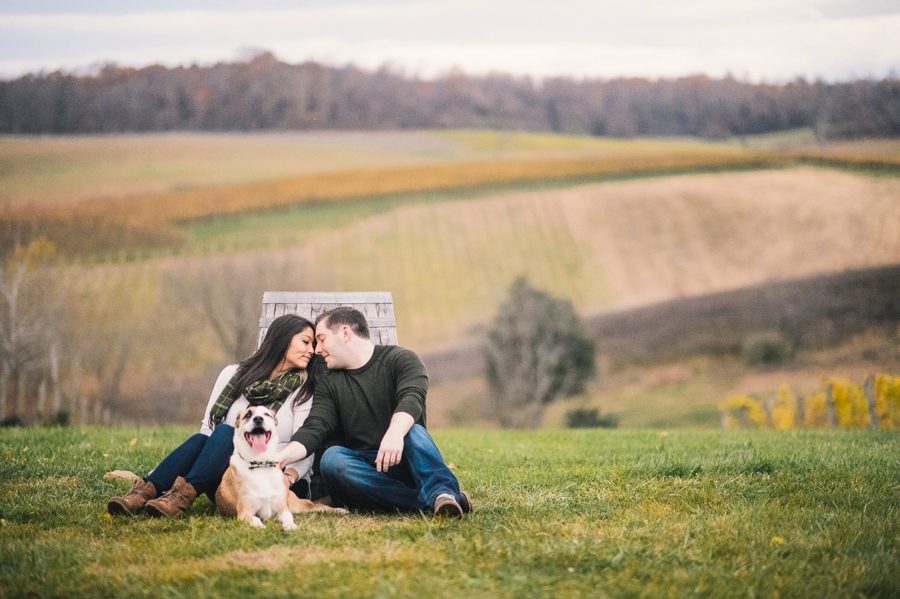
[357,405]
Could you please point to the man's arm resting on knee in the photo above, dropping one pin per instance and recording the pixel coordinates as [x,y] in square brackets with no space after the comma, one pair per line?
[292,452]
[391,449]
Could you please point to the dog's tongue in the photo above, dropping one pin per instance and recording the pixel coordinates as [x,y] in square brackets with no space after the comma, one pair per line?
[258,443]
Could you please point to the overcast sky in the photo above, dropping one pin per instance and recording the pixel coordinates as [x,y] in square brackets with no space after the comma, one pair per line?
[771,40]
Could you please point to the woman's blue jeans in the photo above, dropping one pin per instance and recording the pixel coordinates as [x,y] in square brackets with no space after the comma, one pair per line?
[201,460]
[412,485]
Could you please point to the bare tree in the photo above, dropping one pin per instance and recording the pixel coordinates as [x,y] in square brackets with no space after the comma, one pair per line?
[108,324]
[225,293]
[536,352]
[25,322]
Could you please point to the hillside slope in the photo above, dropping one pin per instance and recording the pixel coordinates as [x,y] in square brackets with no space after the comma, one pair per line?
[608,246]
[811,312]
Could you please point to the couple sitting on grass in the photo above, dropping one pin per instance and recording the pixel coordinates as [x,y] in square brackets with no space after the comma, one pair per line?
[370,409]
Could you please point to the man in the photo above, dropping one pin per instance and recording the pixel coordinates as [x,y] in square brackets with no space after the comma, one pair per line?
[373,401]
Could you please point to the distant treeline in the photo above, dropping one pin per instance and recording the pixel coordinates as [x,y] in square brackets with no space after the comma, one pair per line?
[266,94]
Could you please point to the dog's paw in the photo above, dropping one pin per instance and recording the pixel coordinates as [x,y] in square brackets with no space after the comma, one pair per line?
[340,510]
[287,520]
[255,522]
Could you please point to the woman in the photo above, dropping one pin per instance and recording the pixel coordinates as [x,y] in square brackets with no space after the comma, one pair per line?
[276,376]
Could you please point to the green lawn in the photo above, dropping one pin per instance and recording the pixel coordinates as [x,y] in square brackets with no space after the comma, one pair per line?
[588,513]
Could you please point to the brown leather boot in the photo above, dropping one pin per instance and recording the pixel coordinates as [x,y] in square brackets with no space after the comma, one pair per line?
[173,502]
[132,502]
[465,502]
[447,507]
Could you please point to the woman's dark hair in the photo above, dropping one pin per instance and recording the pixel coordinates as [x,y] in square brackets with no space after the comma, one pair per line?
[271,352]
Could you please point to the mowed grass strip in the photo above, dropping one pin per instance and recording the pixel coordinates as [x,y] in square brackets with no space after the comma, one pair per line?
[558,514]
[878,165]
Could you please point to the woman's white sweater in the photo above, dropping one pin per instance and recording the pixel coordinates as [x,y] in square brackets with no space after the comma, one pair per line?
[289,417]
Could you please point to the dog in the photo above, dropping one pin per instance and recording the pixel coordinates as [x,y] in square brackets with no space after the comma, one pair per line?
[252,488]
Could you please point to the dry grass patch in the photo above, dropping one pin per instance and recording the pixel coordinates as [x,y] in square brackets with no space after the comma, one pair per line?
[43,485]
[386,554]
[280,556]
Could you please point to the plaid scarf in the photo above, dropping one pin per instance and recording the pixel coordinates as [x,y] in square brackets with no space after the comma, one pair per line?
[271,394]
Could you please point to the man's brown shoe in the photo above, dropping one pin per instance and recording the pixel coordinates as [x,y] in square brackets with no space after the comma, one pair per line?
[173,502]
[132,502]
[447,507]
[465,502]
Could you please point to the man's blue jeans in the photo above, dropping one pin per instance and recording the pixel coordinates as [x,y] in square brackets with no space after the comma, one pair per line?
[201,460]
[412,485]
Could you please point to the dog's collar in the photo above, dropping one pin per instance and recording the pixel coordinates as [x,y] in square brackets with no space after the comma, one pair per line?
[256,464]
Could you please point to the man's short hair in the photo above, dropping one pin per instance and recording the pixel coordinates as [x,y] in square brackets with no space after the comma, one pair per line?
[345,315]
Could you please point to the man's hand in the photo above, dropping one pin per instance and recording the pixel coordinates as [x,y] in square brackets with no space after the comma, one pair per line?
[292,452]
[390,452]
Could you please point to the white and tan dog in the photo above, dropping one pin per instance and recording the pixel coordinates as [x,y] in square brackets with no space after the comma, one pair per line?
[253,488]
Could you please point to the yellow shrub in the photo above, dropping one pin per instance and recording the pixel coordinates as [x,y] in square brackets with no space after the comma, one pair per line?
[887,401]
[742,410]
[850,404]
[816,411]
[784,412]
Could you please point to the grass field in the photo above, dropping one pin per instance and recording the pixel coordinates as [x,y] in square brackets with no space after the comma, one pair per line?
[112,193]
[128,222]
[558,514]
[41,170]
[70,169]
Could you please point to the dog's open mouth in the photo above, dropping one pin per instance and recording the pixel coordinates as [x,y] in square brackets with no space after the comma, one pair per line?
[259,442]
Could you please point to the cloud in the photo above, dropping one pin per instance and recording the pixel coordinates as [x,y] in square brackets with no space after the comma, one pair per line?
[762,39]
[851,9]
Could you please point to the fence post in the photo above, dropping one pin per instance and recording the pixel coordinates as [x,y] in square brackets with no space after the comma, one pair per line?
[41,403]
[54,377]
[829,401]
[769,407]
[4,387]
[870,399]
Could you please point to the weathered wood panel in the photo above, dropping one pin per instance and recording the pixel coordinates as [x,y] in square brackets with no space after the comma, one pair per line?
[378,307]
[342,298]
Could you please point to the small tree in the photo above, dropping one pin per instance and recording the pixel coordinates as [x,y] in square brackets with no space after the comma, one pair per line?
[536,352]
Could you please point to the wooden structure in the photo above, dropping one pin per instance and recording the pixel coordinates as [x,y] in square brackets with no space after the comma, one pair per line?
[378,306]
